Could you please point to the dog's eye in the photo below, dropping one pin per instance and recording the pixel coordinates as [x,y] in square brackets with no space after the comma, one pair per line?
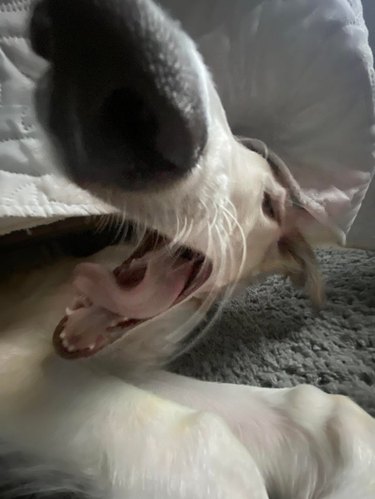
[268,207]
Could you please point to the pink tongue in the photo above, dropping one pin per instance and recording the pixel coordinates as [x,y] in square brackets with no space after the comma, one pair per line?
[164,280]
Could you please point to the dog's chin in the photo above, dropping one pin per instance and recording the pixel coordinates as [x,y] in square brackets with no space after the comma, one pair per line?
[109,305]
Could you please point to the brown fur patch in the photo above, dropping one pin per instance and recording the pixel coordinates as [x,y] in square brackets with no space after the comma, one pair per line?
[299,263]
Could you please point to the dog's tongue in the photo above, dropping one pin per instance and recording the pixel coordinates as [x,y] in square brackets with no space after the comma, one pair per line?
[140,290]
[146,288]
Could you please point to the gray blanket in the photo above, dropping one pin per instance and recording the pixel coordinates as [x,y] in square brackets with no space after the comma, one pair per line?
[270,337]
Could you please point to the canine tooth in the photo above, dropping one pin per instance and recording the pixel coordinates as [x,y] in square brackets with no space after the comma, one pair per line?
[68,311]
[62,335]
[92,347]
[71,348]
[65,343]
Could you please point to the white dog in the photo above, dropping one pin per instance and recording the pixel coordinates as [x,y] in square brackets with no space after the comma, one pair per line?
[212,216]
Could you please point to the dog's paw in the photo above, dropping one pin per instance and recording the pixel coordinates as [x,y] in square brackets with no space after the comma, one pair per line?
[340,440]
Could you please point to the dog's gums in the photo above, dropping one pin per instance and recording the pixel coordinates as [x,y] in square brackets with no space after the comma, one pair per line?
[109,304]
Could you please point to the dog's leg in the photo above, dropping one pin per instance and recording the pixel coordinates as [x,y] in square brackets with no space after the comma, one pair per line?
[130,443]
[307,444]
[134,444]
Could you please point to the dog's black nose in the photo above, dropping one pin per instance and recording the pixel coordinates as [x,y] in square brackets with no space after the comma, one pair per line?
[122,98]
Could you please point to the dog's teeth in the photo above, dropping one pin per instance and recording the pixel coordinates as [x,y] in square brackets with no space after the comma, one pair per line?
[68,311]
[92,347]
[62,335]
[71,348]
[65,343]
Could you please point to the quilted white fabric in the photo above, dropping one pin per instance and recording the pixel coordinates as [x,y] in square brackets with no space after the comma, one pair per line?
[298,75]
[31,189]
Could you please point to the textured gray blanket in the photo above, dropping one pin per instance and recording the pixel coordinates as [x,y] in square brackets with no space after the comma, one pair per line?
[270,337]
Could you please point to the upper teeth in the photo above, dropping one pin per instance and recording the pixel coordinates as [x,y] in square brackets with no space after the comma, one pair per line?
[66,344]
[71,348]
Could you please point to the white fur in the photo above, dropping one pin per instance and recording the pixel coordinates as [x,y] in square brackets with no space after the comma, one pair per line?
[159,435]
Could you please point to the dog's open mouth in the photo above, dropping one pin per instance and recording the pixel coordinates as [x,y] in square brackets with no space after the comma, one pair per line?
[109,305]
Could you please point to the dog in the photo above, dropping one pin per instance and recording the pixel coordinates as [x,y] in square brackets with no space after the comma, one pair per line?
[86,405]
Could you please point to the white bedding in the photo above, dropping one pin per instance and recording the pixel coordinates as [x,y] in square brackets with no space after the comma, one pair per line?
[32,191]
[298,75]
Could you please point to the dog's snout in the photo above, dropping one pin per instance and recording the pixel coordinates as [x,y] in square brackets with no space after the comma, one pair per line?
[123,96]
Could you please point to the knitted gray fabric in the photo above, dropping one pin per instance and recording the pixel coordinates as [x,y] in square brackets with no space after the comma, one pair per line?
[270,336]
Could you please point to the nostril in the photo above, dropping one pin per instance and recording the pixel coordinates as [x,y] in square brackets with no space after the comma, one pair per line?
[126,117]
[128,125]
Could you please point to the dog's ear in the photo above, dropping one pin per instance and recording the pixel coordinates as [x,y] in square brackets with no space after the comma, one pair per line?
[298,262]
[295,259]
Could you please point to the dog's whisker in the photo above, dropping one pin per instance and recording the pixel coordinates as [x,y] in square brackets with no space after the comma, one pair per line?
[120,233]
[216,237]
[184,329]
[211,297]
[237,225]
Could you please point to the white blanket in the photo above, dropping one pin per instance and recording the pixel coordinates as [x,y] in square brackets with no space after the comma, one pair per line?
[298,75]
[32,191]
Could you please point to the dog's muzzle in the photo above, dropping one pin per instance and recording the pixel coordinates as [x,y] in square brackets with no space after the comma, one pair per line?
[107,305]
[122,99]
